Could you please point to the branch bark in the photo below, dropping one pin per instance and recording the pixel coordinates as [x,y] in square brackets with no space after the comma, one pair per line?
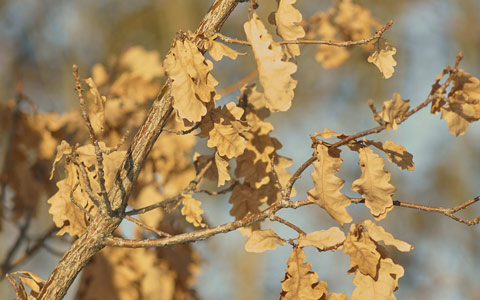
[102,226]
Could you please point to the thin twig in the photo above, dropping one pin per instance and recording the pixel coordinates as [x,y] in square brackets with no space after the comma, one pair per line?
[190,189]
[117,146]
[434,94]
[29,253]
[182,132]
[285,222]
[376,36]
[16,245]
[105,205]
[147,227]
[72,198]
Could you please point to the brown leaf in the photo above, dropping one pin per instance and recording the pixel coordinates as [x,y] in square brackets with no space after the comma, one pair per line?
[322,239]
[299,279]
[382,57]
[394,110]
[377,233]
[262,240]
[193,85]
[274,74]
[222,167]
[227,140]
[218,50]
[192,211]
[464,103]
[32,280]
[99,105]
[288,20]
[329,56]
[374,184]
[326,192]
[380,288]
[362,251]
[64,212]
[399,155]
[143,63]
[355,21]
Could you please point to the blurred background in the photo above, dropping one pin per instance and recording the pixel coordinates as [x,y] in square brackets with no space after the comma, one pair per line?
[40,40]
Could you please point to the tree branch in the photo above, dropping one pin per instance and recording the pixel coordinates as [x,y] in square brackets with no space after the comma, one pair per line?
[93,240]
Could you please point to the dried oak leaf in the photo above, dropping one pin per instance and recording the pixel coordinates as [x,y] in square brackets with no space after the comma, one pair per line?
[218,50]
[30,279]
[377,233]
[300,282]
[322,239]
[329,56]
[227,140]
[222,168]
[362,250]
[399,155]
[337,296]
[464,103]
[244,200]
[98,118]
[273,72]
[382,57]
[126,274]
[288,20]
[262,240]
[374,184]
[142,63]
[64,212]
[193,84]
[192,211]
[355,21]
[326,191]
[380,288]
[394,110]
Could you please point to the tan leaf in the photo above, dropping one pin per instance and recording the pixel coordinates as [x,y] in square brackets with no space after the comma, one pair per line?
[143,63]
[300,280]
[99,74]
[336,296]
[327,133]
[394,110]
[377,233]
[362,251]
[227,140]
[326,191]
[64,212]
[99,104]
[262,240]
[32,280]
[62,149]
[399,155]
[244,200]
[218,50]
[288,20]
[192,211]
[222,167]
[382,57]
[355,21]
[462,109]
[328,56]
[193,85]
[374,184]
[322,239]
[380,288]
[274,74]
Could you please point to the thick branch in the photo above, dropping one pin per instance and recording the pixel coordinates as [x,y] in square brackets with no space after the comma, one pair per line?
[93,240]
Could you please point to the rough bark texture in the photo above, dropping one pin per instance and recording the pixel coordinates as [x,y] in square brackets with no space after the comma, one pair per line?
[102,226]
